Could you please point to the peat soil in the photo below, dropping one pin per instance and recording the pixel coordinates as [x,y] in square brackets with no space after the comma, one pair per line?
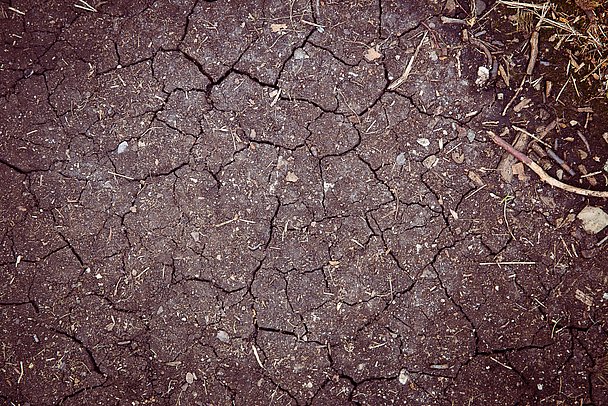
[230,202]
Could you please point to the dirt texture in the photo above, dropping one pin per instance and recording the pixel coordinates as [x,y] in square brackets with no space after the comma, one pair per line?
[230,202]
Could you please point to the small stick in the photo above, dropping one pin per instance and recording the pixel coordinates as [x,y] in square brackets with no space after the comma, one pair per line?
[541,173]
[509,263]
[408,68]
[538,149]
[500,363]
[16,10]
[257,356]
[21,372]
[121,175]
[479,44]
[232,220]
[582,137]
[560,161]
[588,175]
[543,132]
[519,89]
[533,53]
[450,20]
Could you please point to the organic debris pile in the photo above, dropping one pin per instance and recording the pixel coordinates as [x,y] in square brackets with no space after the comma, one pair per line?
[583,36]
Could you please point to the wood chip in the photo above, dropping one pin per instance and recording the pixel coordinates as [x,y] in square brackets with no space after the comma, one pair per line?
[518,170]
[524,103]
[583,297]
[505,167]
[590,178]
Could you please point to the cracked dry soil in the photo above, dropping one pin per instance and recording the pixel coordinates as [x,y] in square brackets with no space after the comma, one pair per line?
[213,203]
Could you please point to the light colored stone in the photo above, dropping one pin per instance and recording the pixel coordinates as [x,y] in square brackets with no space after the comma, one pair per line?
[594,219]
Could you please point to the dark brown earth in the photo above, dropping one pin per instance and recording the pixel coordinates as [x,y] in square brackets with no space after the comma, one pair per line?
[214,203]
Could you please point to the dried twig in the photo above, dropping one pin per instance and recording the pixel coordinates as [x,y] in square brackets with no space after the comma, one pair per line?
[533,53]
[408,68]
[560,162]
[517,91]
[541,173]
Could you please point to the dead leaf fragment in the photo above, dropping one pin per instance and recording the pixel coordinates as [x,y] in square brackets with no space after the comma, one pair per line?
[372,54]
[278,27]
[594,219]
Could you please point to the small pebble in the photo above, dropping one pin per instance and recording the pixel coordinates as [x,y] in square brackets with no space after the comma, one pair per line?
[223,336]
[401,160]
[471,135]
[483,75]
[122,147]
[189,378]
[429,161]
[299,54]
[403,377]
[424,142]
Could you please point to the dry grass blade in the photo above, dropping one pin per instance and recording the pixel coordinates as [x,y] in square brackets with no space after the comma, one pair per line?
[83,5]
[408,68]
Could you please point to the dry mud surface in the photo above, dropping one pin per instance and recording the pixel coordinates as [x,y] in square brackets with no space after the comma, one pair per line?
[215,203]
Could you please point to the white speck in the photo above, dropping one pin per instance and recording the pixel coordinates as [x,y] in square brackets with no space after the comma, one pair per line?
[540,386]
[327,186]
